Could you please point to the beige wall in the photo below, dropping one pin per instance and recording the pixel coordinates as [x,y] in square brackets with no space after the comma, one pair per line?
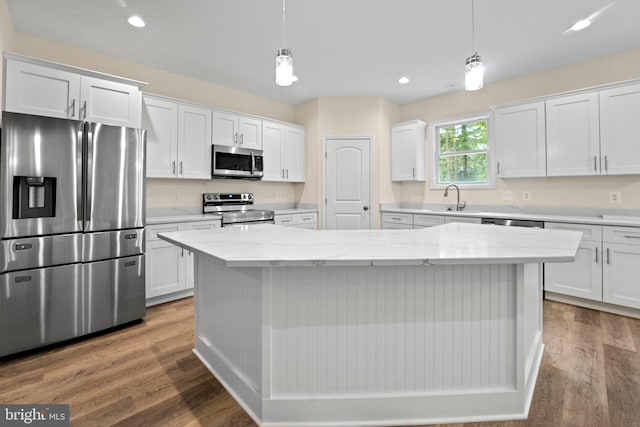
[581,192]
[6,35]
[348,117]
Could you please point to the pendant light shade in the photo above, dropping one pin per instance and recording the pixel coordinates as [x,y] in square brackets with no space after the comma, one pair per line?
[284,67]
[473,73]
[284,59]
[473,69]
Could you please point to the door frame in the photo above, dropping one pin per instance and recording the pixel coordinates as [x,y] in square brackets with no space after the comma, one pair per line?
[323,200]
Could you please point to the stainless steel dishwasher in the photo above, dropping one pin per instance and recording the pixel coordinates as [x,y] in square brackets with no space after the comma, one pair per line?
[513,222]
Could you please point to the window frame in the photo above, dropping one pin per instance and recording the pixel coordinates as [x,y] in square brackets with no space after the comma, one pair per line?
[434,164]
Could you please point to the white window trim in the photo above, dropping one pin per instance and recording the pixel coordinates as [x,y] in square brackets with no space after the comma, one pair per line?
[433,158]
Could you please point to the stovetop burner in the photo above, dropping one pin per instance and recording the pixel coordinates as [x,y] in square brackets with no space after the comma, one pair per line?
[235,208]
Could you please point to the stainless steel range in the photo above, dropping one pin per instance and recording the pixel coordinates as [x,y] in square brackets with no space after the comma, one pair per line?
[235,209]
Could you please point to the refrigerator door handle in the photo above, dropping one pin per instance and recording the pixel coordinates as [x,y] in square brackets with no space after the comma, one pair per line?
[88,174]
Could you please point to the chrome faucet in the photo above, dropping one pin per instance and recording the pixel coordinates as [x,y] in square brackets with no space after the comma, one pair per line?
[459,207]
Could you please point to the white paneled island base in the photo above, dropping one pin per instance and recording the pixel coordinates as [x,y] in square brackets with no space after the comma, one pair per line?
[341,340]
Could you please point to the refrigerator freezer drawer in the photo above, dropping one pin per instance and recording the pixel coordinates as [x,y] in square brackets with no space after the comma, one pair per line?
[114,292]
[39,307]
[35,252]
[113,244]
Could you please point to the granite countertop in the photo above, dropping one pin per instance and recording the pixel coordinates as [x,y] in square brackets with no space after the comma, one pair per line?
[454,243]
[613,220]
[293,211]
[166,219]
[167,216]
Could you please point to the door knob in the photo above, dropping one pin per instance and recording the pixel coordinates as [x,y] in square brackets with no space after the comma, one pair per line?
[366,208]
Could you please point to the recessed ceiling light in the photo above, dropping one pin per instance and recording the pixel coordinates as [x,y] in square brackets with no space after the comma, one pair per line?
[403,80]
[580,25]
[136,21]
[294,78]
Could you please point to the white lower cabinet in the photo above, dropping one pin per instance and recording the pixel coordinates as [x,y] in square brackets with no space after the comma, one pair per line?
[466,219]
[423,221]
[606,268]
[169,269]
[621,266]
[583,277]
[392,220]
[299,220]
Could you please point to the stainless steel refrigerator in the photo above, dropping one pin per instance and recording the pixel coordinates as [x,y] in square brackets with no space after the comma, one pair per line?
[72,219]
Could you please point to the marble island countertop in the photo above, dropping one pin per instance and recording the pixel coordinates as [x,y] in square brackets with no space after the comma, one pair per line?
[455,243]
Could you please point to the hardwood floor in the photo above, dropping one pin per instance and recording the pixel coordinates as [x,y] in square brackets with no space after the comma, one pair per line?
[146,375]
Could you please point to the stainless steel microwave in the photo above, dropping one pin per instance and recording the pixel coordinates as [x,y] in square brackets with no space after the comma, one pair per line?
[235,162]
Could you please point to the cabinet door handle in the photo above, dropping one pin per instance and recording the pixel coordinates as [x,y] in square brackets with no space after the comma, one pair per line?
[498,167]
[414,172]
[606,163]
[84,109]
[173,167]
[608,257]
[595,164]
[182,252]
[73,108]
[241,138]
[235,138]
[597,255]
[181,168]
[282,173]
[287,173]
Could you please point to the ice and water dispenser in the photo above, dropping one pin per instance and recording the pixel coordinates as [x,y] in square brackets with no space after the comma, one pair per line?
[34,197]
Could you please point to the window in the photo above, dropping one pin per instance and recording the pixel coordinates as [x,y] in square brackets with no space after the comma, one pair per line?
[461,153]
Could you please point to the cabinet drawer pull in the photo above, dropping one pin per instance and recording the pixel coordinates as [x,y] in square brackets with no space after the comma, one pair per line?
[631,237]
[395,218]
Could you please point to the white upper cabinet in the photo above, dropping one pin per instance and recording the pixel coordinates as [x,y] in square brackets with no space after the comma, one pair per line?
[194,142]
[112,103]
[236,130]
[34,89]
[407,151]
[160,119]
[178,139]
[573,135]
[284,152]
[619,138]
[519,133]
[53,90]
[294,154]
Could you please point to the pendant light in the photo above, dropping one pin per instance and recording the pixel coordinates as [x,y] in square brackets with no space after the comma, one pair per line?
[473,70]
[284,59]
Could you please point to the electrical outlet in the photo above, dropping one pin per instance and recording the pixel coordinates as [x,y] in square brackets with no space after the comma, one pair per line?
[507,195]
[526,196]
[615,197]
[278,195]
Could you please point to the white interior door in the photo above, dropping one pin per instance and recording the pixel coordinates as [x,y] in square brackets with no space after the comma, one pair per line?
[347,183]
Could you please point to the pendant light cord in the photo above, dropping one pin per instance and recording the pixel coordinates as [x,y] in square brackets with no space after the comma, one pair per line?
[473,27]
[284,21]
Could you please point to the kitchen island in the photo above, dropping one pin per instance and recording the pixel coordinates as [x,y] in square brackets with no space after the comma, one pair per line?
[373,327]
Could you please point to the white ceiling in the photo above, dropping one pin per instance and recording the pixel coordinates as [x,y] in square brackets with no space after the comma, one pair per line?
[340,47]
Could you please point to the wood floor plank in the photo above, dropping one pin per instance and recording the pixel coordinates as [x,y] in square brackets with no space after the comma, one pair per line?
[623,385]
[616,332]
[585,400]
[146,374]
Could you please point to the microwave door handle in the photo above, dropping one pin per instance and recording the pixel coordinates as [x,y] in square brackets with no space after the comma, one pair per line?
[253,163]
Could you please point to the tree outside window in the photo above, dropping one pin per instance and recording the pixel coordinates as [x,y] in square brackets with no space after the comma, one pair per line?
[462,152]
